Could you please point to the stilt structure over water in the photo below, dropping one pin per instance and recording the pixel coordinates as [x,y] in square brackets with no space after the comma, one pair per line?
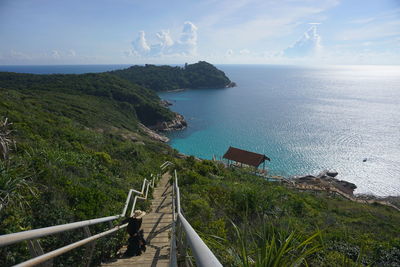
[245,157]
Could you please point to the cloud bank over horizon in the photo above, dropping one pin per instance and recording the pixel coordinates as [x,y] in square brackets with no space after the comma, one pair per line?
[309,45]
[224,31]
[186,45]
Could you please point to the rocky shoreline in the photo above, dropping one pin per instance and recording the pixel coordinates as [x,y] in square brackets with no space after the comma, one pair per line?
[155,131]
[178,123]
[153,135]
[326,181]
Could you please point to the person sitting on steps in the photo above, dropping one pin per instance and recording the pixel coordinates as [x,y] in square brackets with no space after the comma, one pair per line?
[136,242]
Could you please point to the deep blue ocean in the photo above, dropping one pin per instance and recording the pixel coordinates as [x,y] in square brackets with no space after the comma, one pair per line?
[305,119]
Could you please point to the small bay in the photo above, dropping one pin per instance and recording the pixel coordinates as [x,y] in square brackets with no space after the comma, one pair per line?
[305,119]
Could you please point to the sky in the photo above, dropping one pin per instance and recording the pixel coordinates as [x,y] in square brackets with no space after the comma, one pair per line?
[47,32]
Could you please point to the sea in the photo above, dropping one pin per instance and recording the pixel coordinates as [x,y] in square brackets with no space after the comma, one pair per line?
[306,119]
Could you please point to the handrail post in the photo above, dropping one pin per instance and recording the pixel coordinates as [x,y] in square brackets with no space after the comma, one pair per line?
[143,186]
[127,203]
[133,206]
[87,258]
[36,250]
[173,251]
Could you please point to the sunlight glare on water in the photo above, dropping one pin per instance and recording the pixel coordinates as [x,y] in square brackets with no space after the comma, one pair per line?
[305,119]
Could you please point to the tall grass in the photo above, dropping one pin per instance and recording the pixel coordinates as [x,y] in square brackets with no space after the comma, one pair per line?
[6,142]
[15,181]
[269,247]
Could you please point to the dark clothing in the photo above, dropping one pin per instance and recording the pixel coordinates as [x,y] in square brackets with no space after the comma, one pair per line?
[136,242]
[133,225]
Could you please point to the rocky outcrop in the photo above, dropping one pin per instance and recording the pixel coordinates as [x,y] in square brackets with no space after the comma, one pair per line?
[153,135]
[165,103]
[230,85]
[178,123]
[326,181]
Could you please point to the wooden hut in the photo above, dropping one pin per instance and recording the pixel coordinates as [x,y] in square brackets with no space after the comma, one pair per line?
[245,157]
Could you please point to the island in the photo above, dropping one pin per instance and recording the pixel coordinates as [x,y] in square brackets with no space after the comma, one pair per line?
[167,78]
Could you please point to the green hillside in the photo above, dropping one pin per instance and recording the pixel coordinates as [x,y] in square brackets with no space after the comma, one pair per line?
[139,101]
[163,78]
[76,149]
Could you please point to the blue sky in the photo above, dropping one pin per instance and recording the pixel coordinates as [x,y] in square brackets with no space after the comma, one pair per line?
[219,31]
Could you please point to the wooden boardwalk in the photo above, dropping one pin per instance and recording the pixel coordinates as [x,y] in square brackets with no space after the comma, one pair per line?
[156,226]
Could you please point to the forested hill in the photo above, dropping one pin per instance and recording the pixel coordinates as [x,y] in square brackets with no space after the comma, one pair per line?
[141,102]
[163,78]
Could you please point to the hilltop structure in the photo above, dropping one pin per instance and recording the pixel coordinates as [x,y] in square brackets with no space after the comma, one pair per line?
[245,157]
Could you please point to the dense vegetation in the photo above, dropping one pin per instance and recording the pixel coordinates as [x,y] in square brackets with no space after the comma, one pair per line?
[269,216]
[74,149]
[78,149]
[136,100]
[163,78]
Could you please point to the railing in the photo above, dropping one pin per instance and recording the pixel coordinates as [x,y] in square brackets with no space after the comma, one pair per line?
[183,233]
[181,229]
[33,235]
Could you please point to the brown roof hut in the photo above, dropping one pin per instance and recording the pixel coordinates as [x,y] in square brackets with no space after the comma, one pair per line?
[245,157]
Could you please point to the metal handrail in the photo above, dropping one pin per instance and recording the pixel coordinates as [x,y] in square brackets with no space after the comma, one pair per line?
[202,254]
[37,233]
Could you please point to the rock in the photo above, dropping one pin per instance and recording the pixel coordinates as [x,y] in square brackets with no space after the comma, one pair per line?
[231,84]
[327,174]
[153,135]
[305,178]
[178,123]
[165,103]
[326,180]
[332,173]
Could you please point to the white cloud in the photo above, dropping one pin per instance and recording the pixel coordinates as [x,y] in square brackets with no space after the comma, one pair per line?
[18,55]
[371,31]
[71,53]
[309,45]
[164,45]
[44,57]
[382,25]
[229,53]
[186,45]
[188,41]
[244,52]
[140,45]
[362,21]
[269,20]
[55,54]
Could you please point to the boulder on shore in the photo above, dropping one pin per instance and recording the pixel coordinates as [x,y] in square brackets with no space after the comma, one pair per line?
[326,180]
[178,123]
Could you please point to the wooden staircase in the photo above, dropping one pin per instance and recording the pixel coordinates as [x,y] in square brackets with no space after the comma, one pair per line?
[156,226]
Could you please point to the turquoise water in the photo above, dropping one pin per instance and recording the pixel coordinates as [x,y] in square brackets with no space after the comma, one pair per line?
[305,119]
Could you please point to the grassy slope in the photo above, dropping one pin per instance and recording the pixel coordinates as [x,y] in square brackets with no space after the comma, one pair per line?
[213,197]
[75,151]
